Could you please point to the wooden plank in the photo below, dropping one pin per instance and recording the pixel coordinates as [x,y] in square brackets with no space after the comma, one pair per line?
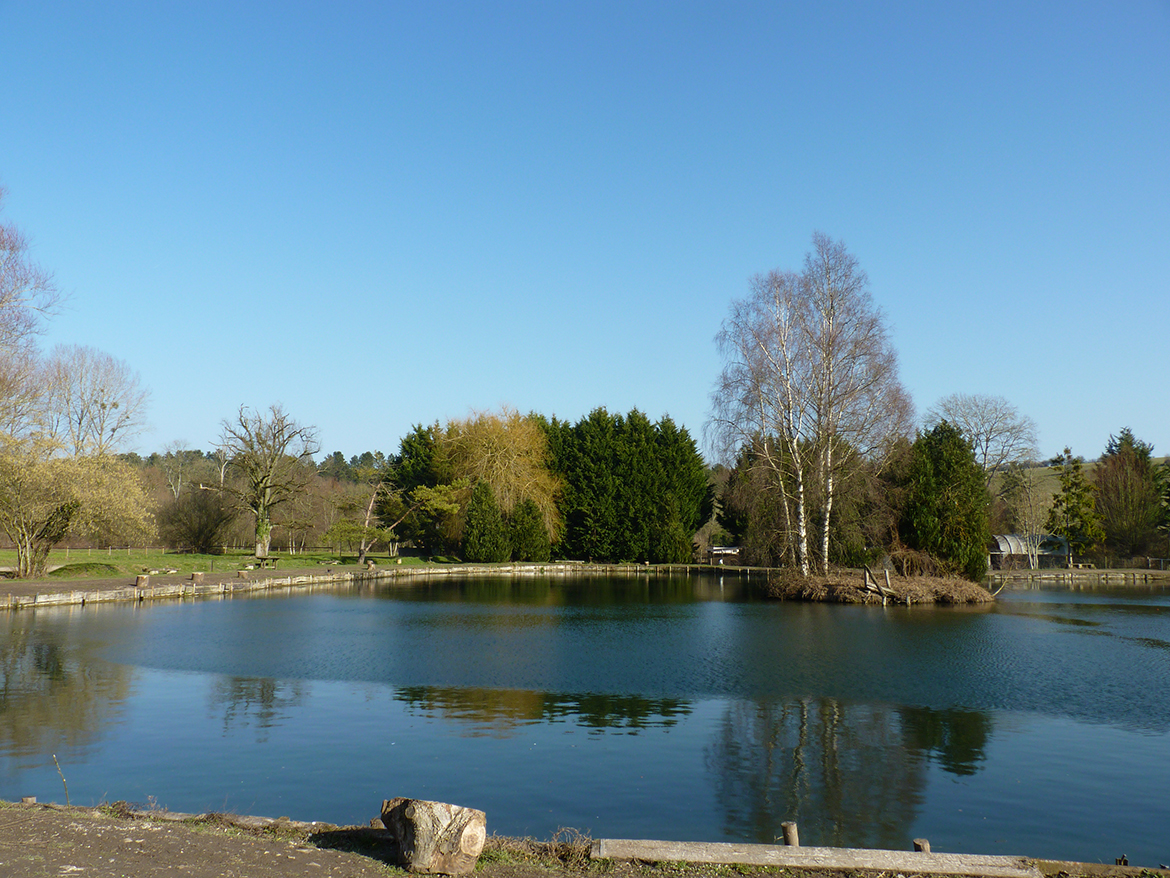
[812,858]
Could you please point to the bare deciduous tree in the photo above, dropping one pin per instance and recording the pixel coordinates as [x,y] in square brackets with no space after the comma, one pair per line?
[1029,505]
[998,432]
[273,455]
[810,384]
[27,295]
[21,392]
[93,401]
[186,467]
[860,403]
[27,292]
[763,397]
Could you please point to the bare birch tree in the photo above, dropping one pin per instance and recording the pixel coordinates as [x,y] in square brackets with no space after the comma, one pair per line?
[763,398]
[998,432]
[810,383]
[860,403]
[1029,505]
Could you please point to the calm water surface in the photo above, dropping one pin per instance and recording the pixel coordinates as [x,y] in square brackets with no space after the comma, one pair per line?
[622,707]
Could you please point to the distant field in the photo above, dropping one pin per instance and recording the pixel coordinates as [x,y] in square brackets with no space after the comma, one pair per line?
[1048,479]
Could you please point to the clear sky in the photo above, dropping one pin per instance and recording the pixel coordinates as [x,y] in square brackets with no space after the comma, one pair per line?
[383,214]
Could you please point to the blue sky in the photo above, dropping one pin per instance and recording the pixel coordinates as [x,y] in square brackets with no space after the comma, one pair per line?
[386,214]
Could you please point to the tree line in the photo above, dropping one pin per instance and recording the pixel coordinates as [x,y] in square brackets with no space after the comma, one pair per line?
[823,467]
[495,486]
[821,461]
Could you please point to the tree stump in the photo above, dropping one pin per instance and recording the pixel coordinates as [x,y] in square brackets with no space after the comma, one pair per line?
[434,836]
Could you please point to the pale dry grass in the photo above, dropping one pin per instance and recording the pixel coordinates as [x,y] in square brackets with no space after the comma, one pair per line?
[848,587]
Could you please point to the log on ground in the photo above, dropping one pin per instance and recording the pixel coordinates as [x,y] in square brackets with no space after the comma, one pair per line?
[435,836]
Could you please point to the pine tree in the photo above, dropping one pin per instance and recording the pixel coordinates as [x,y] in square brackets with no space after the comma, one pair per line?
[1074,508]
[529,536]
[485,537]
[945,514]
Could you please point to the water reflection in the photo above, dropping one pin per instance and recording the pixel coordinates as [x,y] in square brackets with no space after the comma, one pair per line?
[501,711]
[261,702]
[849,774]
[568,591]
[956,739]
[50,696]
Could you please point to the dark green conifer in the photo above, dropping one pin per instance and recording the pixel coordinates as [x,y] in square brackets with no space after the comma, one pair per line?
[485,537]
[946,509]
[528,534]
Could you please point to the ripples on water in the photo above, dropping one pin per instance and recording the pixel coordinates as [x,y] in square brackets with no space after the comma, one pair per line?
[649,707]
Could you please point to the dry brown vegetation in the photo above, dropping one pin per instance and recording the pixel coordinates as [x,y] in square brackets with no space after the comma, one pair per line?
[848,587]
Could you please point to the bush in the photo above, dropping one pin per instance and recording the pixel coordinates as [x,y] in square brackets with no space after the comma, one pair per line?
[198,520]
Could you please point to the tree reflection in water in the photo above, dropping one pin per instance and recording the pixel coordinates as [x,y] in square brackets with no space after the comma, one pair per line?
[850,775]
[261,701]
[50,696]
[956,739]
[500,711]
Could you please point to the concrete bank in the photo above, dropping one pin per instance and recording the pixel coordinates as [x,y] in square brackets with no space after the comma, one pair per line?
[17,595]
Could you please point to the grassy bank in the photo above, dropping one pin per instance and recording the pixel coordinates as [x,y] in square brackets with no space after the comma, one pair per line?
[69,564]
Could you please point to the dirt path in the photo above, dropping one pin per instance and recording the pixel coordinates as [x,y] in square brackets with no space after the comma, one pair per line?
[39,841]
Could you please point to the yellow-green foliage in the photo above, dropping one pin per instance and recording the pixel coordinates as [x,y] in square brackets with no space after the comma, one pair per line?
[45,497]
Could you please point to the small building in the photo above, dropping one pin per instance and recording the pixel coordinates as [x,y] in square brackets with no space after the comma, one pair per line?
[723,555]
[1024,552]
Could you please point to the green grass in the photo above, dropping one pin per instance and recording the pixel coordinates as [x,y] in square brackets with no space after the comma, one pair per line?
[114,563]
[87,570]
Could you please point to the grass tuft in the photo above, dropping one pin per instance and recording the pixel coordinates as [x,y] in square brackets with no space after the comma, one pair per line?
[85,571]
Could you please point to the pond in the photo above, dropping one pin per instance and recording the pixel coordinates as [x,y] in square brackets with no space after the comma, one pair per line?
[640,707]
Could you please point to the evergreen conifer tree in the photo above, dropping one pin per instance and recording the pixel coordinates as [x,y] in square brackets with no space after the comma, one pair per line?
[946,509]
[1074,508]
[485,537]
[528,534]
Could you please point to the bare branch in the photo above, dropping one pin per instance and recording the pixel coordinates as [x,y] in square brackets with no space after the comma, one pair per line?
[998,432]
[93,402]
[27,292]
[273,455]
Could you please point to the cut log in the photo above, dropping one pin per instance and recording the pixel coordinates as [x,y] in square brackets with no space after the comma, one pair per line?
[435,836]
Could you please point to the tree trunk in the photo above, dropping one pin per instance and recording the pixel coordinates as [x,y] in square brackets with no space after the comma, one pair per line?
[435,837]
[263,535]
[366,541]
[801,514]
[827,523]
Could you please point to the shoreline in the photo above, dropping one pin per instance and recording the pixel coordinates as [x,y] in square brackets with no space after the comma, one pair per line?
[18,594]
[116,839]
[844,586]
